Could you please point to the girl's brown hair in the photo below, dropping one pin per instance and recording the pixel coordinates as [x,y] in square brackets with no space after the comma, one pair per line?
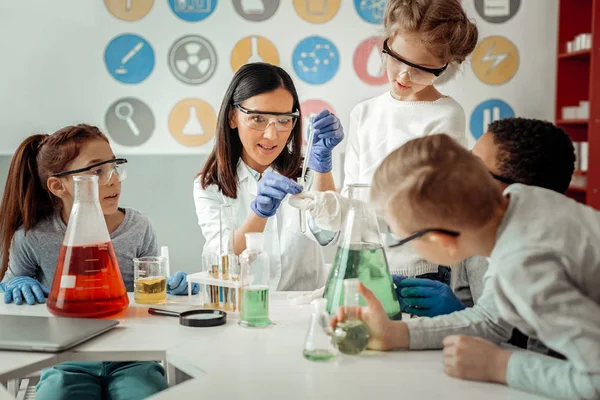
[441,25]
[27,200]
[249,81]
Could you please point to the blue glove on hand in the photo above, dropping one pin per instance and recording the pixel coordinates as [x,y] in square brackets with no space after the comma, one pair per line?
[328,134]
[432,297]
[397,282]
[272,188]
[177,284]
[24,287]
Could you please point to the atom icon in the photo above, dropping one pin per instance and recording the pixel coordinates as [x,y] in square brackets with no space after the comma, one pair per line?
[316,59]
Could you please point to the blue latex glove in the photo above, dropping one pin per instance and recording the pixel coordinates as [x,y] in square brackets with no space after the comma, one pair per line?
[397,281]
[177,284]
[328,134]
[24,287]
[272,188]
[432,297]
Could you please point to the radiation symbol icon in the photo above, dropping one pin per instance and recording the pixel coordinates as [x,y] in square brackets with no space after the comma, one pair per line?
[193,59]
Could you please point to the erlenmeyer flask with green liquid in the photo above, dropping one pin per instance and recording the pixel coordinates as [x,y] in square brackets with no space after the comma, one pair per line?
[361,255]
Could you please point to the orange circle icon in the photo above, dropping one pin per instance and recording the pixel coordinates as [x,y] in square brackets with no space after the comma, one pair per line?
[192,122]
[495,60]
[253,49]
[317,11]
[129,10]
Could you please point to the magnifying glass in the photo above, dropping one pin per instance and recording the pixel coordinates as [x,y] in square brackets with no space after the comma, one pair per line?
[195,318]
[124,111]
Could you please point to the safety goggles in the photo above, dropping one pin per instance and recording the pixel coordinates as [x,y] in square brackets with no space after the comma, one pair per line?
[416,73]
[503,179]
[260,120]
[104,170]
[419,234]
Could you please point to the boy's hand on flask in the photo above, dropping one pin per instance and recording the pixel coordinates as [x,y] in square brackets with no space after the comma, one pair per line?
[272,188]
[24,287]
[328,134]
[428,298]
[376,319]
[177,284]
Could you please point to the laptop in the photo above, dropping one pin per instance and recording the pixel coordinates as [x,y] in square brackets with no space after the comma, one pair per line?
[48,334]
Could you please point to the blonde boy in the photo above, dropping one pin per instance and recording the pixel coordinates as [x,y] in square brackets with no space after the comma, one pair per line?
[544,269]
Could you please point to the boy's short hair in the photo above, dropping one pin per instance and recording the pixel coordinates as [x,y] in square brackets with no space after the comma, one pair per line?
[434,182]
[534,152]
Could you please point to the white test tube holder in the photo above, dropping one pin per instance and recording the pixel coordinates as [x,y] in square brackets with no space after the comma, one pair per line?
[205,280]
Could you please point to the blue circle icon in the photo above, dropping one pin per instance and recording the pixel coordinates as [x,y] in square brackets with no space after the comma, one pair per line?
[316,60]
[486,113]
[193,10]
[129,58]
[371,11]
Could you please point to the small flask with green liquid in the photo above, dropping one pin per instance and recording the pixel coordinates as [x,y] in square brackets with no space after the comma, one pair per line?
[318,345]
[254,304]
[351,335]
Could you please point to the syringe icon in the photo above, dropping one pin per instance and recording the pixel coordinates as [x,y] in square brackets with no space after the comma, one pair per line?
[121,70]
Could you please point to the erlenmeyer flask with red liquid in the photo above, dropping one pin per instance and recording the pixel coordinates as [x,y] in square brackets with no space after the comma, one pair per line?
[87,282]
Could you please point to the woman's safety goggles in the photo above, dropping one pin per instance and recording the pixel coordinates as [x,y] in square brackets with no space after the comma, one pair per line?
[260,120]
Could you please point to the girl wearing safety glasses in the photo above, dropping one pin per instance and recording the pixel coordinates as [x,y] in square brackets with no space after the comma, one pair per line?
[424,41]
[34,214]
[253,167]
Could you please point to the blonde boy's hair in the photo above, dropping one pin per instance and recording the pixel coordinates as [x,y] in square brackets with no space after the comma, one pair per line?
[434,182]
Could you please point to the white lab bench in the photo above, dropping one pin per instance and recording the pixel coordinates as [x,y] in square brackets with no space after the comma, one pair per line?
[234,362]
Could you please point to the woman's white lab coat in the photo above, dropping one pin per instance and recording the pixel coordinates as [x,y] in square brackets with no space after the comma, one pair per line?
[296,259]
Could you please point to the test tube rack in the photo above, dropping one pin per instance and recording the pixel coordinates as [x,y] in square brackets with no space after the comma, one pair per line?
[216,292]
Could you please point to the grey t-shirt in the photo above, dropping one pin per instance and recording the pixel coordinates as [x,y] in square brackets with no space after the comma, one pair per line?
[469,282]
[35,254]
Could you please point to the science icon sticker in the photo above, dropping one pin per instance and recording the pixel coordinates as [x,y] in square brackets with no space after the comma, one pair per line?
[486,113]
[256,10]
[371,11]
[129,122]
[193,10]
[253,49]
[317,11]
[316,60]
[497,11]
[192,122]
[495,60]
[367,61]
[129,10]
[192,59]
[129,58]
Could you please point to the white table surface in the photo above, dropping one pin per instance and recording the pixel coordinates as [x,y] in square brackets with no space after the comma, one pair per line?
[234,362]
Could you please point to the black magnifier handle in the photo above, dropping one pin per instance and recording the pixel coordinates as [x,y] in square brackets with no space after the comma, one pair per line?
[158,311]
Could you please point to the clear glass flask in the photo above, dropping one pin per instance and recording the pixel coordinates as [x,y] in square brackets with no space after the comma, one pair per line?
[351,335]
[318,345]
[254,305]
[360,255]
[87,281]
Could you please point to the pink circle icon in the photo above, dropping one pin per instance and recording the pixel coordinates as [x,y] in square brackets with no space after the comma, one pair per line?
[312,107]
[367,61]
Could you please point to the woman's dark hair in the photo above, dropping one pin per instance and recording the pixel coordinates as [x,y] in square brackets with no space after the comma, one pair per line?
[27,200]
[249,81]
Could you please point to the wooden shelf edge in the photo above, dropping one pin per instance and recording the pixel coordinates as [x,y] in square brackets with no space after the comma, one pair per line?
[575,54]
[572,122]
[577,189]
